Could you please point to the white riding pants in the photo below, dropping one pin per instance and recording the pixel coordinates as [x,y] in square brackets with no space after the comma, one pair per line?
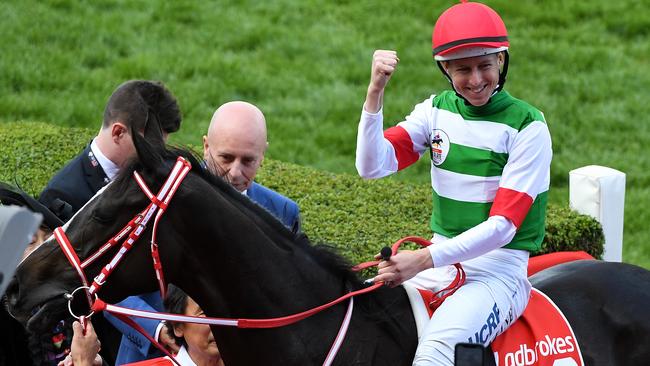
[495,294]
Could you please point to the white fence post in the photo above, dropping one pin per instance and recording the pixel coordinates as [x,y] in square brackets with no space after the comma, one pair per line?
[599,192]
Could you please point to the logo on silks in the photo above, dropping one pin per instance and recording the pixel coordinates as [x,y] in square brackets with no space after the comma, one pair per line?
[439,146]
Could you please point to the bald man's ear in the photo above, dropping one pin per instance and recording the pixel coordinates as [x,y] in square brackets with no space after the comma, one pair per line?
[206,147]
[266,146]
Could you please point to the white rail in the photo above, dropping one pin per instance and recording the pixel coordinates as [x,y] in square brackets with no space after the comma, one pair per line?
[599,192]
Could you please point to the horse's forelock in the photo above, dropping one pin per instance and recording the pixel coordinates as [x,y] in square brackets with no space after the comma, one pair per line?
[149,154]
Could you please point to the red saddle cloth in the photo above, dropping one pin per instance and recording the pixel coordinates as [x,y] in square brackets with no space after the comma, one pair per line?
[541,262]
[160,361]
[541,336]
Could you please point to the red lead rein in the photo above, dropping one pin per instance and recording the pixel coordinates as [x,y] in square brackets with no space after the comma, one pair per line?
[100,305]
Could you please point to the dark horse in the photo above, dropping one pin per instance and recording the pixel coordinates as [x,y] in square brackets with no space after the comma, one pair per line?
[238,261]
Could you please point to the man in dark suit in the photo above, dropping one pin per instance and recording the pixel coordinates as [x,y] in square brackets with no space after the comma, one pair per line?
[148,108]
[234,149]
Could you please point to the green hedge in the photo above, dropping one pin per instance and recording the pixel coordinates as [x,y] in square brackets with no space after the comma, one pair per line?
[355,215]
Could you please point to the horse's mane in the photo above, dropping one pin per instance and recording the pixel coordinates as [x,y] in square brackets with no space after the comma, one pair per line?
[156,160]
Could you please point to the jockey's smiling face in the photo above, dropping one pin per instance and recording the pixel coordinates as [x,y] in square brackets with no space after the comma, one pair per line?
[235,144]
[475,78]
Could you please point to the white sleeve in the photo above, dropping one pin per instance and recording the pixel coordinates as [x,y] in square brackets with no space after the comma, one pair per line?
[491,234]
[375,155]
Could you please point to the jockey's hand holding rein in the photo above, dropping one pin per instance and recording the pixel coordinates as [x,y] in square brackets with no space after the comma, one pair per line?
[403,266]
[384,64]
[489,235]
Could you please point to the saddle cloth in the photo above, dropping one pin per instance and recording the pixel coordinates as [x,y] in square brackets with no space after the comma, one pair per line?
[541,336]
[160,361]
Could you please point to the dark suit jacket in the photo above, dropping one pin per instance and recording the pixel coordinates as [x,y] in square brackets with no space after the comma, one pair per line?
[13,342]
[75,184]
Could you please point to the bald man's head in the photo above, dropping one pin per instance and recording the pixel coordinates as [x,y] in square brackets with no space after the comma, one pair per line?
[236,142]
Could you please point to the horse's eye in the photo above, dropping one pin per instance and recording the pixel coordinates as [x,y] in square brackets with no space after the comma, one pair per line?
[105,214]
[101,219]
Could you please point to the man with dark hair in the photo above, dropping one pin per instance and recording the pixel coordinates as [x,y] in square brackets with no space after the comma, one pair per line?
[133,106]
[136,106]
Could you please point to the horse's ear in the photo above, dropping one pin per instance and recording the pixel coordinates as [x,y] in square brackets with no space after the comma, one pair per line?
[149,151]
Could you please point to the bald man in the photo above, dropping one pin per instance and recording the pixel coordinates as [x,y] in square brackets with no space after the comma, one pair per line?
[234,150]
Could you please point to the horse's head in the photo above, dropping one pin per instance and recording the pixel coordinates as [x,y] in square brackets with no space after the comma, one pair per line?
[211,237]
[37,294]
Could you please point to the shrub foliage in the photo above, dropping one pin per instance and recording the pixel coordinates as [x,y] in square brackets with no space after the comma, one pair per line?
[356,216]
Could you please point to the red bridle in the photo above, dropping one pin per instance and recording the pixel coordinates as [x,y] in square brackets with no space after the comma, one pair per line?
[133,229]
[136,227]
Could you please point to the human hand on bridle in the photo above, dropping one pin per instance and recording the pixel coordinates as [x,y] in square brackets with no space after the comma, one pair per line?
[84,350]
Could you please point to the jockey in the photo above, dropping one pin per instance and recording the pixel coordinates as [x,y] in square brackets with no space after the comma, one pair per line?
[490,171]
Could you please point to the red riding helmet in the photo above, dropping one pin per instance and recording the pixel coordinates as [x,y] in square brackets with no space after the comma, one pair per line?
[468,29]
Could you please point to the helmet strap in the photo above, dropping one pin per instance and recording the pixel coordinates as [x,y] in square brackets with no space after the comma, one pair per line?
[502,74]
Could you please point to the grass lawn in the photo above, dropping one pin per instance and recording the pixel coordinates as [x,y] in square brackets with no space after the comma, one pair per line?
[306,64]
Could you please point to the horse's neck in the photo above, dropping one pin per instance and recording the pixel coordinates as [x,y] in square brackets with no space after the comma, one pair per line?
[256,269]
[260,284]
[270,283]
[250,270]
[382,332]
